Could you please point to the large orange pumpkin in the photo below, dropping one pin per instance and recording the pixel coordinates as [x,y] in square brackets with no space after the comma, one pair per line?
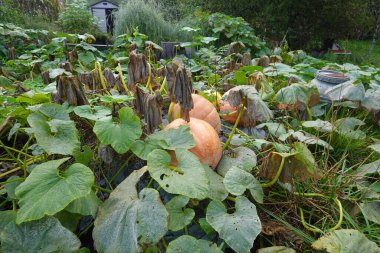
[203,109]
[230,113]
[208,147]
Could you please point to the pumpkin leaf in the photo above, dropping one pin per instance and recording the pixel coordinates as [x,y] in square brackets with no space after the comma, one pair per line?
[179,216]
[45,235]
[369,169]
[189,178]
[116,99]
[375,147]
[319,125]
[257,109]
[169,139]
[11,187]
[346,127]
[237,181]
[87,205]
[298,96]
[127,218]
[54,130]
[239,229]
[346,91]
[189,244]
[46,185]
[371,211]
[217,190]
[242,157]
[306,138]
[276,249]
[345,241]
[121,135]
[83,156]
[275,129]
[92,112]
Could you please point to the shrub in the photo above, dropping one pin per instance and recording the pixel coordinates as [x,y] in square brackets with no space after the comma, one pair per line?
[147,18]
[76,18]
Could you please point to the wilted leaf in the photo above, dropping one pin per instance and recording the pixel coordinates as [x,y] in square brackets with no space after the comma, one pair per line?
[369,169]
[239,229]
[237,181]
[297,96]
[345,241]
[188,244]
[305,138]
[346,91]
[188,178]
[120,135]
[54,130]
[242,157]
[127,218]
[179,216]
[46,191]
[257,109]
[45,236]
[371,211]
[346,127]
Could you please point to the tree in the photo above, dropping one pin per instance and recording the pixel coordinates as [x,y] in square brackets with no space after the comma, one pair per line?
[375,9]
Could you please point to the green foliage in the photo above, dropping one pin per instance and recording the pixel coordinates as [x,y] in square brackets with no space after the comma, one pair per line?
[147,18]
[76,18]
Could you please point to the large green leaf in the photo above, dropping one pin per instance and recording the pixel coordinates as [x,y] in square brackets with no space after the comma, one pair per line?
[188,178]
[47,190]
[92,112]
[168,139]
[217,190]
[179,216]
[54,130]
[188,244]
[127,219]
[239,229]
[276,249]
[43,236]
[87,205]
[345,241]
[242,157]
[237,181]
[120,135]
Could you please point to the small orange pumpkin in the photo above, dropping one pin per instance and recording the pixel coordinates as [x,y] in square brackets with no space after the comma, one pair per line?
[208,147]
[203,109]
[230,113]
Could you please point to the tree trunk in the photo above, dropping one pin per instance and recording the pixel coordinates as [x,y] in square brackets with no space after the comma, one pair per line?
[375,35]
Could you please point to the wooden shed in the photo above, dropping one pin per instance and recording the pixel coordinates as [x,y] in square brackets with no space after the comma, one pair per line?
[103,10]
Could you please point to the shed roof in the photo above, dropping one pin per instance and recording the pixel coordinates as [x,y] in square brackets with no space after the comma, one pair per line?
[108,1]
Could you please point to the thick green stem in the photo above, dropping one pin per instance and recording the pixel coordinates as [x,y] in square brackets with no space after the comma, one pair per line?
[241,111]
[313,228]
[102,189]
[277,176]
[122,79]
[99,68]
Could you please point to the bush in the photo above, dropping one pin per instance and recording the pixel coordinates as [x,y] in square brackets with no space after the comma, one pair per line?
[76,18]
[147,18]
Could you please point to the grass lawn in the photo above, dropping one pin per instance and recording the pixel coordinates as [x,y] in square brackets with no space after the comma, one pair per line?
[359,49]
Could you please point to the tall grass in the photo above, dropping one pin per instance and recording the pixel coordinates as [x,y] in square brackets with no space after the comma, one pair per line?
[147,17]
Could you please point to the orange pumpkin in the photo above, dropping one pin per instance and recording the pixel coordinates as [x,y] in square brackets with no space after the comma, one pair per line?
[203,109]
[208,147]
[230,113]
